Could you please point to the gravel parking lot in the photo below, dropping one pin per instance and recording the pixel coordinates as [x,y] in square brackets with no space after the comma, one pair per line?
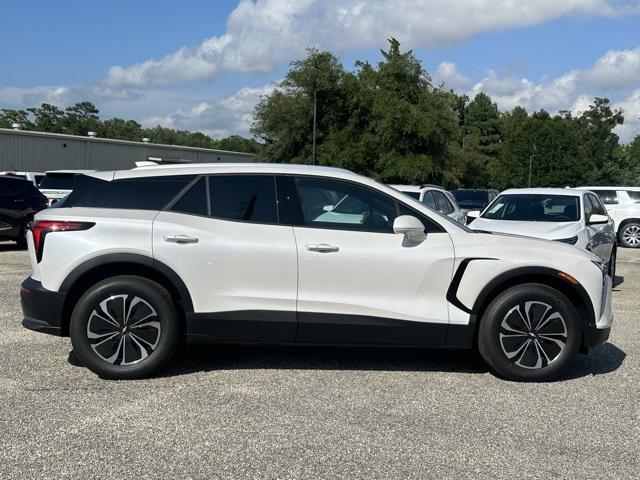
[276,412]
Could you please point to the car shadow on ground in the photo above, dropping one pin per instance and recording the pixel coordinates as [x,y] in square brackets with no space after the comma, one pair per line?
[199,358]
[601,360]
[618,280]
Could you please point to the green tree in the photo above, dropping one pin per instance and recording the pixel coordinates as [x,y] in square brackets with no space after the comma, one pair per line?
[81,118]
[48,118]
[121,129]
[10,116]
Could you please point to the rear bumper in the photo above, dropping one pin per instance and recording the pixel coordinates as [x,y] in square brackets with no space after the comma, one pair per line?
[42,308]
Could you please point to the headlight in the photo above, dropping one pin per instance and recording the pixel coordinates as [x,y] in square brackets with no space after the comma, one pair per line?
[570,241]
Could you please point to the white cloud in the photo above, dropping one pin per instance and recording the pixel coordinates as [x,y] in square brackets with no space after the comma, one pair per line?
[63,96]
[262,34]
[447,73]
[616,69]
[220,118]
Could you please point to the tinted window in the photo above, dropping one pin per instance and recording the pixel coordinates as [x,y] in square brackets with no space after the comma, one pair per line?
[634,195]
[82,186]
[608,197]
[598,207]
[250,198]
[10,186]
[428,200]
[476,199]
[537,208]
[147,193]
[336,204]
[442,203]
[589,208]
[194,200]
[415,195]
[57,181]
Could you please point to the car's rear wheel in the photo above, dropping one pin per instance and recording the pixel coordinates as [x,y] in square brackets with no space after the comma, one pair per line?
[125,327]
[630,235]
[529,332]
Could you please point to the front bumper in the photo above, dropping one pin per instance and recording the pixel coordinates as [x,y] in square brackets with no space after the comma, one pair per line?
[42,308]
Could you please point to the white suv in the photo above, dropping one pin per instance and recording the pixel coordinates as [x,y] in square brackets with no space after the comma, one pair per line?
[132,261]
[623,205]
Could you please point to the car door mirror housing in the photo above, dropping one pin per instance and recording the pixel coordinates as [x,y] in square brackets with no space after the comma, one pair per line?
[598,219]
[473,214]
[409,226]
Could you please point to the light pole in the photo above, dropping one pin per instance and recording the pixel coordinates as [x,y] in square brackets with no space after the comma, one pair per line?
[315,107]
[531,162]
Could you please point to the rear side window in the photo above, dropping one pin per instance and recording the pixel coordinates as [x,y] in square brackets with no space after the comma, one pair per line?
[634,195]
[57,181]
[147,193]
[194,201]
[249,198]
[10,186]
[608,197]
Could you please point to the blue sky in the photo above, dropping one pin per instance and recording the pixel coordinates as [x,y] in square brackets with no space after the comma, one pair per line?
[203,64]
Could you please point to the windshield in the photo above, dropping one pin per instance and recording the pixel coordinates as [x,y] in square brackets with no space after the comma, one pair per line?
[471,198]
[57,181]
[534,208]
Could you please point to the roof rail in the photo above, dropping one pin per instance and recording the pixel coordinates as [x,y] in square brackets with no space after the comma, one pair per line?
[432,186]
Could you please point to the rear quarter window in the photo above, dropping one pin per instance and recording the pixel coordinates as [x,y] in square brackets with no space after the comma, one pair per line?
[146,193]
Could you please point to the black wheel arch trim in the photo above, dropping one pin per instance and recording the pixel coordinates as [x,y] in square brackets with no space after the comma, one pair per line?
[134,259]
[460,335]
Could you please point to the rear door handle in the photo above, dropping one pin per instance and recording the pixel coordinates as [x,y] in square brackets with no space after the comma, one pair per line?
[322,247]
[180,239]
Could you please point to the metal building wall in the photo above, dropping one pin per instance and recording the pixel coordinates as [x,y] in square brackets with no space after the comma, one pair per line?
[38,152]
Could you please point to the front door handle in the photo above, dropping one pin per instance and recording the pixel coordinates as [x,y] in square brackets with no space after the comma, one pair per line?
[322,247]
[180,239]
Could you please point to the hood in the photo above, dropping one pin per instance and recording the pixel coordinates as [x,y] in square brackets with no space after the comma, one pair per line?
[545,230]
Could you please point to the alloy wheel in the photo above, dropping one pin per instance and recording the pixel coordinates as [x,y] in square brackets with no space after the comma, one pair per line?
[533,334]
[631,235]
[123,329]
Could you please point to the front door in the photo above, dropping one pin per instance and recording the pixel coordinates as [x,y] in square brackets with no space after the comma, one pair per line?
[601,236]
[358,282]
[224,240]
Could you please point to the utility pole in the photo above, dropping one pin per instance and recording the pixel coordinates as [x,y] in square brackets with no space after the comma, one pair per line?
[315,108]
[531,162]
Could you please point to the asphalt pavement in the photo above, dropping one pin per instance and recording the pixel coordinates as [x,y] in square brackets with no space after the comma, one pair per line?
[286,412]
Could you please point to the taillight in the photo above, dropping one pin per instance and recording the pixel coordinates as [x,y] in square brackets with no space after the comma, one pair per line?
[41,228]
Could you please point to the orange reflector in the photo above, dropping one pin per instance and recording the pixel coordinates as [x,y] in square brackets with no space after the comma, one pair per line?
[568,278]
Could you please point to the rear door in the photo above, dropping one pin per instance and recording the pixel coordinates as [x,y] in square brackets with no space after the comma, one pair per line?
[224,239]
[358,282]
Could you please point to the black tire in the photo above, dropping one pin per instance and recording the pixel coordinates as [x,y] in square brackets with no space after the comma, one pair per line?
[147,310]
[611,267]
[21,241]
[629,235]
[497,339]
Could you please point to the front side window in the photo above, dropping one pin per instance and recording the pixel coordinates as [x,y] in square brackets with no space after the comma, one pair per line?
[248,198]
[598,207]
[428,200]
[608,197]
[329,203]
[535,208]
[443,204]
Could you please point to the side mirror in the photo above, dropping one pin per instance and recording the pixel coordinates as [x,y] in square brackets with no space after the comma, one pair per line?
[409,226]
[597,219]
[473,214]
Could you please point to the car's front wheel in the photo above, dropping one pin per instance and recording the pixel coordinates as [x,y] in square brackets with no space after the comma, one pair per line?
[630,235]
[124,327]
[529,332]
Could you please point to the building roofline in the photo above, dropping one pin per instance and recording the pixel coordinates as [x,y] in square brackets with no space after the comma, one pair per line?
[64,136]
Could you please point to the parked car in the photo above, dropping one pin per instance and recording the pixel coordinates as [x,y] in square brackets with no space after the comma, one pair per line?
[19,201]
[623,205]
[576,217]
[33,177]
[136,260]
[473,198]
[435,197]
[57,184]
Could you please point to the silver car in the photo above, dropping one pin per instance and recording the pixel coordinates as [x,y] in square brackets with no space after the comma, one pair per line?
[435,197]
